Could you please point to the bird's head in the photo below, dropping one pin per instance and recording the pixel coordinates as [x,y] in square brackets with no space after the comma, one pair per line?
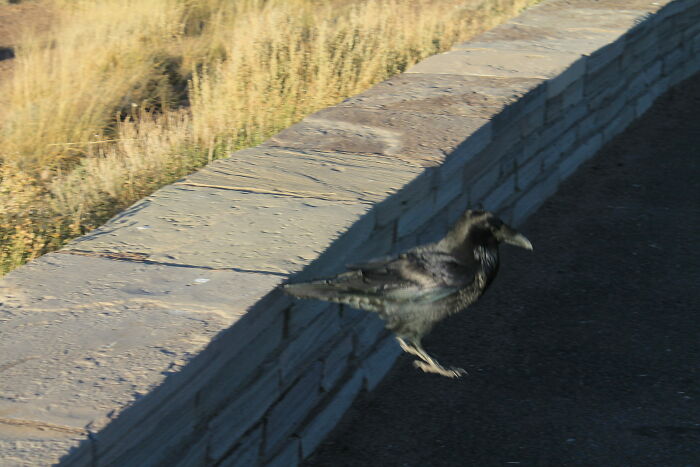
[484,228]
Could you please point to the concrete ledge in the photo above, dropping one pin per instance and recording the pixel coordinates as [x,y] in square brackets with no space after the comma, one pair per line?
[160,339]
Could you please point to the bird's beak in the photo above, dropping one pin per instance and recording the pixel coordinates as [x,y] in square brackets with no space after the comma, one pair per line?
[514,238]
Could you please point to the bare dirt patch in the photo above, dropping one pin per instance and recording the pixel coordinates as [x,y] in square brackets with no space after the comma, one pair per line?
[15,18]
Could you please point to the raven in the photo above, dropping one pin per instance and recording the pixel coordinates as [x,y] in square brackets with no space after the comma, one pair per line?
[418,288]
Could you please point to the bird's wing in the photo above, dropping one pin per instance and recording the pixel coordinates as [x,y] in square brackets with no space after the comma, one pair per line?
[413,276]
[374,263]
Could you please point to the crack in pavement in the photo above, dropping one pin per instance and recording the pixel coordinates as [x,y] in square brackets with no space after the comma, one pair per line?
[143,258]
[291,194]
[43,426]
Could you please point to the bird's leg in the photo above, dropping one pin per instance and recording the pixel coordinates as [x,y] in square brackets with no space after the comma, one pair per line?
[429,364]
[408,348]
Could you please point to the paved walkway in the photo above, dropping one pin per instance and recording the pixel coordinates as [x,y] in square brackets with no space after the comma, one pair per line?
[585,351]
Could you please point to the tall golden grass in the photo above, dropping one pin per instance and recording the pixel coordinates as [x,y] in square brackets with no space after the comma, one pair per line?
[121,97]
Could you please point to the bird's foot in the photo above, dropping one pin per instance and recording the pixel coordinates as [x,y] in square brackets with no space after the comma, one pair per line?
[451,372]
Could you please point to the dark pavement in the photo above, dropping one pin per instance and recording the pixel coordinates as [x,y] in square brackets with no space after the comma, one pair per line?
[585,351]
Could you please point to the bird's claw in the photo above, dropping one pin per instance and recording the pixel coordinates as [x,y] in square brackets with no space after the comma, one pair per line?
[451,372]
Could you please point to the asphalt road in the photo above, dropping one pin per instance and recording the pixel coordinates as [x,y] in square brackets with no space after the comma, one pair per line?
[585,351]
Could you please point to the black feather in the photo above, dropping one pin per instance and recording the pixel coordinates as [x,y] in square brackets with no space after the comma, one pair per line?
[418,288]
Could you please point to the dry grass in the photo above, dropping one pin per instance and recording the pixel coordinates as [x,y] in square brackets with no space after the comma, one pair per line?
[124,96]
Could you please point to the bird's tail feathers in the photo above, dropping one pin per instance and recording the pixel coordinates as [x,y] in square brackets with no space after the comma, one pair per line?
[316,290]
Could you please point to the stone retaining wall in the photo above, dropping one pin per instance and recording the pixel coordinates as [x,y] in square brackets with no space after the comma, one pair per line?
[160,338]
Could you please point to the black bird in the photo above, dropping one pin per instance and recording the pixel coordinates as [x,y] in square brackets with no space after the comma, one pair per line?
[418,288]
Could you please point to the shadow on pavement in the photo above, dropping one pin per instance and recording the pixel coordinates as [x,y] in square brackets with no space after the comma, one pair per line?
[585,351]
